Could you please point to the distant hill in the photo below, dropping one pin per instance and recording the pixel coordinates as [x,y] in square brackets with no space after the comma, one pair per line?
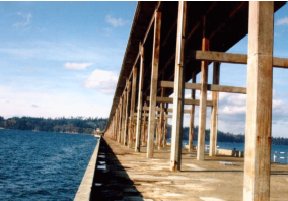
[67,125]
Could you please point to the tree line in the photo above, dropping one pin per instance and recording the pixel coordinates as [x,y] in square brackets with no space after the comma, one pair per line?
[67,125]
[89,125]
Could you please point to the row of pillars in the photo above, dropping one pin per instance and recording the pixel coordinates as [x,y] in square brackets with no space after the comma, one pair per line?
[126,130]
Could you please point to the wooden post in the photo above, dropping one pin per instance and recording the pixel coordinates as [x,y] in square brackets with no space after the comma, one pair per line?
[178,98]
[259,102]
[203,100]
[214,117]
[144,129]
[192,117]
[127,104]
[153,86]
[132,108]
[123,117]
[139,108]
[161,123]
[120,120]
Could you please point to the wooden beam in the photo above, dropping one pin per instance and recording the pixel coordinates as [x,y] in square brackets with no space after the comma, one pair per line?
[187,101]
[179,90]
[203,99]
[153,86]
[150,24]
[257,167]
[192,117]
[210,87]
[223,57]
[140,94]
[214,114]
[127,105]
[132,107]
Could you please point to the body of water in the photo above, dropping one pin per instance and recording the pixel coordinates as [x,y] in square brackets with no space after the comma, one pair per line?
[42,165]
[279,153]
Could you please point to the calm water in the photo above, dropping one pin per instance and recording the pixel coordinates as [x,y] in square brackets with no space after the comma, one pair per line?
[41,165]
[279,153]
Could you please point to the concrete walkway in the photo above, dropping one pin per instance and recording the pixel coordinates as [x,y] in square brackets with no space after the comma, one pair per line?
[215,179]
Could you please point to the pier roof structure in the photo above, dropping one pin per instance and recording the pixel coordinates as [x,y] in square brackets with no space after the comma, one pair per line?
[226,25]
[171,43]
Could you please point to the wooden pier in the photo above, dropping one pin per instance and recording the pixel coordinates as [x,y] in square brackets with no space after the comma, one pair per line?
[170,44]
[130,175]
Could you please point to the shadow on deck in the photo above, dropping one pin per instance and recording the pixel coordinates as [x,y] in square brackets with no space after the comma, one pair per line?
[111,182]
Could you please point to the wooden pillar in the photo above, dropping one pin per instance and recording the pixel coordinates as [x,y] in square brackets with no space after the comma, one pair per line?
[139,107]
[179,89]
[259,102]
[153,86]
[144,127]
[161,123]
[120,120]
[123,117]
[192,117]
[214,114]
[203,100]
[127,104]
[132,108]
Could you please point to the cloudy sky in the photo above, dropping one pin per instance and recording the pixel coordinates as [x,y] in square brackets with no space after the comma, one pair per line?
[63,59]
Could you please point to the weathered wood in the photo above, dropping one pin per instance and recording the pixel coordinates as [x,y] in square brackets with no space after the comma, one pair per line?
[214,118]
[179,91]
[203,100]
[153,85]
[120,119]
[192,117]
[140,94]
[144,127]
[161,122]
[187,101]
[257,166]
[124,105]
[210,87]
[132,108]
[223,57]
[126,123]
[152,21]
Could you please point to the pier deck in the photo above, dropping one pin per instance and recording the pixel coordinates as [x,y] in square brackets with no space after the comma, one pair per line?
[131,176]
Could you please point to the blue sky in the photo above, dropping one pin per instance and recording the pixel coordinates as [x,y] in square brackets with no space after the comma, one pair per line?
[60,58]
[63,59]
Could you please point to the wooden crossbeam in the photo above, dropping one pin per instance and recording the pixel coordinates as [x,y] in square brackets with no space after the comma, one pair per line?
[168,110]
[210,87]
[234,58]
[187,101]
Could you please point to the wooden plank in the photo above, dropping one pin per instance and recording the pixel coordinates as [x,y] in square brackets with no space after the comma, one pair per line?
[210,87]
[153,86]
[257,167]
[127,102]
[223,57]
[187,101]
[223,88]
[214,118]
[179,91]
[140,94]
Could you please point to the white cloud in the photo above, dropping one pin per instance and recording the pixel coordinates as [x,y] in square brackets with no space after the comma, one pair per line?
[102,80]
[114,21]
[282,21]
[52,103]
[25,20]
[77,66]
